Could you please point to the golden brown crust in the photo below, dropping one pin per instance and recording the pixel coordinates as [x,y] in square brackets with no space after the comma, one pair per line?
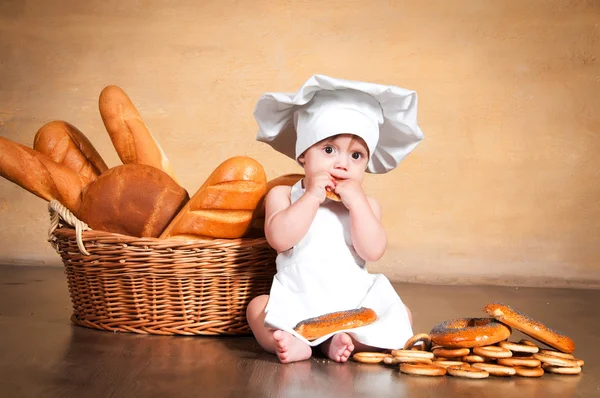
[224,205]
[468,372]
[530,326]
[313,328]
[67,145]
[414,341]
[422,369]
[40,175]
[495,370]
[132,199]
[469,332]
[131,138]
[333,196]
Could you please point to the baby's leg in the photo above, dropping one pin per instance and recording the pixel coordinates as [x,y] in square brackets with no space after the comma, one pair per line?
[287,347]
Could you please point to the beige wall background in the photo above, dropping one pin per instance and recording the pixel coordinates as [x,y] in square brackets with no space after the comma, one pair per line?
[505,188]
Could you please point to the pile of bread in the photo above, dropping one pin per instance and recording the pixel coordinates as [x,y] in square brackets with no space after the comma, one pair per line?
[141,197]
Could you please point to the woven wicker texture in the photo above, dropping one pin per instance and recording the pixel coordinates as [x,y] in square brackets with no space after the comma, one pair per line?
[162,286]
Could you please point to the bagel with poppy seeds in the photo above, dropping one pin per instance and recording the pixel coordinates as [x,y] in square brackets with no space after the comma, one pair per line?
[469,332]
[313,328]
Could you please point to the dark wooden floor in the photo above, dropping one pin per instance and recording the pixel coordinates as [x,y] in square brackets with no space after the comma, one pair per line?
[43,355]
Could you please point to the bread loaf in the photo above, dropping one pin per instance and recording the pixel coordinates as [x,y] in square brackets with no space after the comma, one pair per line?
[40,175]
[223,206]
[258,219]
[132,199]
[313,328]
[65,144]
[131,138]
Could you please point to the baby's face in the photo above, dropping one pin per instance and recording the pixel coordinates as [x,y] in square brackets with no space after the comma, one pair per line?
[344,156]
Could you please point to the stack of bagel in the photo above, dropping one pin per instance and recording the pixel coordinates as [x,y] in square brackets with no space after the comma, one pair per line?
[479,347]
[141,197]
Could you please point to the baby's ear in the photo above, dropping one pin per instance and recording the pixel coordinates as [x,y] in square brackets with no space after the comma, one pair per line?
[301,159]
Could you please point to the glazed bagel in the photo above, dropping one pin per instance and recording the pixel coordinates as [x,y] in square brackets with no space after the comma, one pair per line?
[530,327]
[469,332]
[313,328]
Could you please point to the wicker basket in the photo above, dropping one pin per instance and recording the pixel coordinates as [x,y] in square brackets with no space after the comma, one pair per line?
[159,286]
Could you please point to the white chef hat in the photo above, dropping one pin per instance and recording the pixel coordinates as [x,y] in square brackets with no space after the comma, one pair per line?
[385,117]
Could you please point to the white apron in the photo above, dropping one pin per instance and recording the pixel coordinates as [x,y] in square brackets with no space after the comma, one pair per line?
[323,273]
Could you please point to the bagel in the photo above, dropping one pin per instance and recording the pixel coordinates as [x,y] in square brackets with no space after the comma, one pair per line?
[469,332]
[413,354]
[419,338]
[530,327]
[467,371]
[561,370]
[492,351]
[369,357]
[519,347]
[525,362]
[422,369]
[529,372]
[495,370]
[445,363]
[556,361]
[474,358]
[451,352]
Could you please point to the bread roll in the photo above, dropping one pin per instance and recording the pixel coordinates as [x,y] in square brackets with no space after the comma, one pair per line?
[313,328]
[40,175]
[132,199]
[223,206]
[131,138]
[65,144]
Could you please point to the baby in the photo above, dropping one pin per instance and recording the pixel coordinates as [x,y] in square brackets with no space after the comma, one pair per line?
[336,130]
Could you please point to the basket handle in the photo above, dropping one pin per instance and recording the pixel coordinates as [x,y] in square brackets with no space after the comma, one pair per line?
[56,209]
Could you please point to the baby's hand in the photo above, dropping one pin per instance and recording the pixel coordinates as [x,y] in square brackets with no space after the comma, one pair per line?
[350,191]
[317,184]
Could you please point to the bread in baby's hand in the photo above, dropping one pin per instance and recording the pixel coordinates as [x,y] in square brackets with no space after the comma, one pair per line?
[223,206]
[132,199]
[67,145]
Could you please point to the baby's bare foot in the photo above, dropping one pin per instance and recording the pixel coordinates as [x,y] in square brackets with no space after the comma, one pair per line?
[339,347]
[290,349]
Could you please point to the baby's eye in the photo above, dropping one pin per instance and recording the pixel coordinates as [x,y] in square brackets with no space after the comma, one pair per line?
[328,149]
[356,155]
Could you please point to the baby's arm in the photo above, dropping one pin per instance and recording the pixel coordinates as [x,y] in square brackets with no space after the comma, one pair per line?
[286,223]
[368,235]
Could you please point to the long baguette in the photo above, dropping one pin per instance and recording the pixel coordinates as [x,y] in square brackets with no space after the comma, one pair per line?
[223,206]
[67,145]
[40,175]
[131,138]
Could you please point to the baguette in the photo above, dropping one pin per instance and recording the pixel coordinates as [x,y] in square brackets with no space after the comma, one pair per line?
[223,206]
[131,138]
[313,328]
[132,199]
[40,175]
[65,144]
